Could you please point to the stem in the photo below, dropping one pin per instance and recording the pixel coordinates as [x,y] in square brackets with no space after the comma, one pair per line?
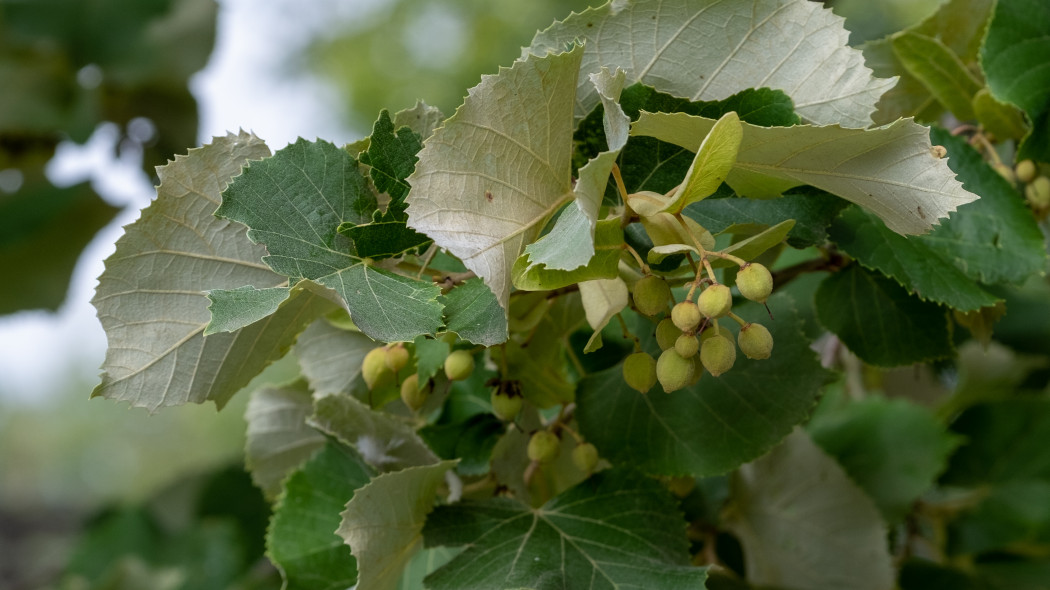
[579,439]
[637,258]
[427,258]
[738,319]
[575,360]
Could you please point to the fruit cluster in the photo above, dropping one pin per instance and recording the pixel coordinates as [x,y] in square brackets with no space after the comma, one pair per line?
[690,336]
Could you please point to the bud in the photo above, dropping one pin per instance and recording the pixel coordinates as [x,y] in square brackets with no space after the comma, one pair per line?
[715,301]
[755,282]
[413,395]
[651,295]
[639,371]
[667,333]
[396,357]
[505,404]
[686,346]
[543,446]
[374,369]
[459,365]
[686,316]
[585,457]
[755,341]
[1026,171]
[673,371]
[718,355]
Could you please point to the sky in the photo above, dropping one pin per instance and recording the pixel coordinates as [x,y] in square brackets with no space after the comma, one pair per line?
[246,84]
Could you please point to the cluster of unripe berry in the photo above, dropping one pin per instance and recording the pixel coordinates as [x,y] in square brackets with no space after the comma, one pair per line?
[1036,185]
[381,366]
[690,338]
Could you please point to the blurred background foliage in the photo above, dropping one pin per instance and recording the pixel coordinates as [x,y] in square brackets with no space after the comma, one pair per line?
[69,66]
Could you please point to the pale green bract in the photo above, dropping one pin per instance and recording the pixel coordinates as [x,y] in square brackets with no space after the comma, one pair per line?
[152,301]
[892,171]
[500,167]
[711,49]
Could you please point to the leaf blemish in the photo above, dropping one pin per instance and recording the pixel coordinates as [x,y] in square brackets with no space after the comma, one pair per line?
[488,196]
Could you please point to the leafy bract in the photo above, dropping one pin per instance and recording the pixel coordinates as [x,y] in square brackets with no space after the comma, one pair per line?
[715,425]
[488,179]
[1013,59]
[803,524]
[915,265]
[383,522]
[940,70]
[708,50]
[151,298]
[295,203]
[877,319]
[891,171]
[602,299]
[278,438]
[382,440]
[607,246]
[617,529]
[301,540]
[865,438]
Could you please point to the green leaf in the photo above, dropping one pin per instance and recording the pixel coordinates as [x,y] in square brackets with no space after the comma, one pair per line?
[330,357]
[996,239]
[431,354]
[761,43]
[301,541]
[278,438]
[879,321]
[233,309]
[1013,513]
[382,440]
[939,69]
[1013,59]
[915,265]
[491,176]
[1006,441]
[803,524]
[812,210]
[890,170]
[865,437]
[471,441]
[608,244]
[617,529]
[156,320]
[43,229]
[473,312]
[383,522]
[294,203]
[715,425]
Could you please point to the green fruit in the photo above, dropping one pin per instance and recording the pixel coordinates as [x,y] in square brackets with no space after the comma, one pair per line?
[710,331]
[459,365]
[1038,193]
[651,295]
[673,371]
[543,447]
[505,405]
[396,357]
[413,395]
[755,341]
[585,457]
[686,316]
[374,369]
[1026,171]
[715,301]
[667,333]
[755,282]
[686,346]
[718,355]
[639,371]
[698,371]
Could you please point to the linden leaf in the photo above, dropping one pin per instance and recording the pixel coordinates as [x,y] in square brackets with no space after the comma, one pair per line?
[488,180]
[709,49]
[159,355]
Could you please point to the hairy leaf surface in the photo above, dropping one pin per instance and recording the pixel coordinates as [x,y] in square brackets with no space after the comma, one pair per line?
[708,50]
[278,438]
